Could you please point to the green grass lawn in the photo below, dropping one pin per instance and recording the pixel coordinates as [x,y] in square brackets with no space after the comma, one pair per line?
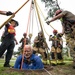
[14,59]
[7,71]
[3,69]
[11,62]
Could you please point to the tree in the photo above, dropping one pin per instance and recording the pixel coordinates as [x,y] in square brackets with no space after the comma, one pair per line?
[51,6]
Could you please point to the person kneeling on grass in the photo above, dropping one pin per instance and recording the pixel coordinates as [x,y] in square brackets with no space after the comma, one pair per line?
[30,61]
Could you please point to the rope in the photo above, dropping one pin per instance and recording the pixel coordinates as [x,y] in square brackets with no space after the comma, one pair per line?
[41,24]
[38,15]
[47,72]
[37,20]
[29,17]
[26,32]
[12,15]
[43,15]
[32,20]
[49,24]
[44,18]
[29,26]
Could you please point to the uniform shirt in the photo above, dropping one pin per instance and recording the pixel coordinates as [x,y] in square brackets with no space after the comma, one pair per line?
[68,20]
[36,63]
[23,41]
[40,43]
[68,15]
[9,32]
[56,40]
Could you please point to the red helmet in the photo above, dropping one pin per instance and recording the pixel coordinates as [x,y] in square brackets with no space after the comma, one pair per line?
[25,34]
[58,12]
[55,31]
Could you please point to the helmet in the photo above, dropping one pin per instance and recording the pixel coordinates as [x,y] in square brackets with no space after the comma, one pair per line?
[58,12]
[14,21]
[40,32]
[55,31]
[25,34]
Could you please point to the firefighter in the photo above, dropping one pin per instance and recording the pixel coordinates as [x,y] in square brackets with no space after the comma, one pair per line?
[8,39]
[7,13]
[39,46]
[56,48]
[67,19]
[24,40]
[68,28]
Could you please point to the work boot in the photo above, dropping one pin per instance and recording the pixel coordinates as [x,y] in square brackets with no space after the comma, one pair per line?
[44,62]
[7,65]
[60,63]
[73,67]
[53,64]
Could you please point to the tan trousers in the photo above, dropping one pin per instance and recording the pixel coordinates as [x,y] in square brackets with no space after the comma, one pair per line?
[71,45]
[41,51]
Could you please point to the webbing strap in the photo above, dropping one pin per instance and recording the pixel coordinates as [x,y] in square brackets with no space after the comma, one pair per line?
[26,32]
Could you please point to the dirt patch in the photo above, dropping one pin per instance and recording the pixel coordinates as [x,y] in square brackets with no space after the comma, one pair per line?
[30,72]
[63,70]
[48,70]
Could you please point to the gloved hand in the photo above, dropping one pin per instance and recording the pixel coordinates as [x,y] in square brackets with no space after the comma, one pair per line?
[48,22]
[50,35]
[9,13]
[60,34]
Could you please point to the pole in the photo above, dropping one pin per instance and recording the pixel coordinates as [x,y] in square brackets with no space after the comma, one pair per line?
[12,15]
[41,25]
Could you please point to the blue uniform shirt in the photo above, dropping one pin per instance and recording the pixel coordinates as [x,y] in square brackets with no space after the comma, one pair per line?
[35,63]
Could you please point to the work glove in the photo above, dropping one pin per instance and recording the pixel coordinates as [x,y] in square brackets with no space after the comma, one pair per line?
[60,34]
[48,22]
[9,13]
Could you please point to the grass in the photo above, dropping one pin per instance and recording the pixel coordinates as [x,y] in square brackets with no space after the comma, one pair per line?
[7,71]
[3,60]
[3,70]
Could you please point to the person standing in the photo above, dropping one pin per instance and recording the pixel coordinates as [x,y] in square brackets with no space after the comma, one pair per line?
[40,46]
[56,48]
[23,40]
[68,28]
[8,39]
